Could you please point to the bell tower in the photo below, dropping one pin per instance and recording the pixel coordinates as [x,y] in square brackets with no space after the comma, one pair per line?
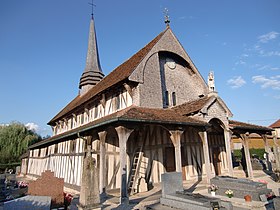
[92,73]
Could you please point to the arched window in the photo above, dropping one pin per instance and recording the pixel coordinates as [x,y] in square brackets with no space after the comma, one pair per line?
[166,98]
[174,98]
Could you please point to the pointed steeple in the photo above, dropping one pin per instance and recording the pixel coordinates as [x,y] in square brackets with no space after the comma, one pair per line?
[92,73]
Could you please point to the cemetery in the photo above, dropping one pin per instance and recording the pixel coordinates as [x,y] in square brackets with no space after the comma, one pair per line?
[48,192]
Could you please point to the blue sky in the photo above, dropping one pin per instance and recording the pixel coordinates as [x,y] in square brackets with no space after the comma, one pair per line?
[43,46]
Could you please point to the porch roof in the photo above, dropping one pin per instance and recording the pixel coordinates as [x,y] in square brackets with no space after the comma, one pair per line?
[241,127]
[132,114]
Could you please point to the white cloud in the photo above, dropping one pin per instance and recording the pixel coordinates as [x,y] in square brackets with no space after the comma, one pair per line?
[236,82]
[265,67]
[267,37]
[32,126]
[269,53]
[267,82]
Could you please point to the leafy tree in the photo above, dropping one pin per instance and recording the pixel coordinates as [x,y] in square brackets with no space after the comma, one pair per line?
[14,141]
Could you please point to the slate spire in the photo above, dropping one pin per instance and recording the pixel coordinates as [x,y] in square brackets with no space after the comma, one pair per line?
[92,73]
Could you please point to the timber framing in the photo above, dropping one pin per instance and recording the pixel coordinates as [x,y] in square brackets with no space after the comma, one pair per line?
[151,115]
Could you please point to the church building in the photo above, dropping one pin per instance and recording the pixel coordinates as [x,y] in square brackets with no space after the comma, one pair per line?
[153,114]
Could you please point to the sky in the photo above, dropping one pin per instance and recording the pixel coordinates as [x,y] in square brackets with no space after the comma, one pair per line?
[43,45]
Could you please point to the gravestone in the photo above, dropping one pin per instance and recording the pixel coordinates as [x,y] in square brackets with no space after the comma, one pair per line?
[173,195]
[29,202]
[89,195]
[171,182]
[48,185]
[240,187]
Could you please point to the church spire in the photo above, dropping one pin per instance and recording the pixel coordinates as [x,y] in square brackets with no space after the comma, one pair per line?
[92,73]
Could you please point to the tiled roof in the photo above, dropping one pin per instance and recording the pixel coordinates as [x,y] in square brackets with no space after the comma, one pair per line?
[247,126]
[131,114]
[121,73]
[160,115]
[193,106]
[275,124]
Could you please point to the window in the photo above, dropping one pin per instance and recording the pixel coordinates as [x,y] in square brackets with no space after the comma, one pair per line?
[174,98]
[166,98]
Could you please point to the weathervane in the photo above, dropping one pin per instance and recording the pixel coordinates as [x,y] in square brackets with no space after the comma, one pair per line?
[166,17]
[92,5]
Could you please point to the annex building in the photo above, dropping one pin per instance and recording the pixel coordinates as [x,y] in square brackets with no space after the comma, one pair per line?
[152,114]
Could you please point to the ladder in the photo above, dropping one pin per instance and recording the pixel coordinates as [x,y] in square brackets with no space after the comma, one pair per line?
[134,171]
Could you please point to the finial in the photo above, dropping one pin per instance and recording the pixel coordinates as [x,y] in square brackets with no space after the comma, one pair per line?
[92,5]
[166,17]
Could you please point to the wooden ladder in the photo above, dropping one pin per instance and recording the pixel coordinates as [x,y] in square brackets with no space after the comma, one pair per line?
[134,171]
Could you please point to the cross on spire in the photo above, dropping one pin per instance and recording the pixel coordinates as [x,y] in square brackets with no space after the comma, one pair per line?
[166,17]
[92,5]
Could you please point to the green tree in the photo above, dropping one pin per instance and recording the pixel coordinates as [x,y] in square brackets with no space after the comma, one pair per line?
[14,141]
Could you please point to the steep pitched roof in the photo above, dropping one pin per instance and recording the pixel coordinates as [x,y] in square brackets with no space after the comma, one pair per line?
[121,73]
[275,124]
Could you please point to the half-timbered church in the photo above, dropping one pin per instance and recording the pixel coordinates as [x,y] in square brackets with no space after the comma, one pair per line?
[152,114]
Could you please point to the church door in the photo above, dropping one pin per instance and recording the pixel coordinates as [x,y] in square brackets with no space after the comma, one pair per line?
[216,160]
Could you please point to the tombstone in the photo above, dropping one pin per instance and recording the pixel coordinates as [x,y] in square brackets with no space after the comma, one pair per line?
[29,202]
[171,182]
[173,195]
[48,185]
[89,194]
[240,187]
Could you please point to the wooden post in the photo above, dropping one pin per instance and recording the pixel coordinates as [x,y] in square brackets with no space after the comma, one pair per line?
[227,134]
[245,139]
[267,152]
[176,140]
[123,134]
[203,136]
[102,138]
[276,151]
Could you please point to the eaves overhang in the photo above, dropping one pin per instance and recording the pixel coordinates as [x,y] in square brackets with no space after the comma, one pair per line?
[118,120]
